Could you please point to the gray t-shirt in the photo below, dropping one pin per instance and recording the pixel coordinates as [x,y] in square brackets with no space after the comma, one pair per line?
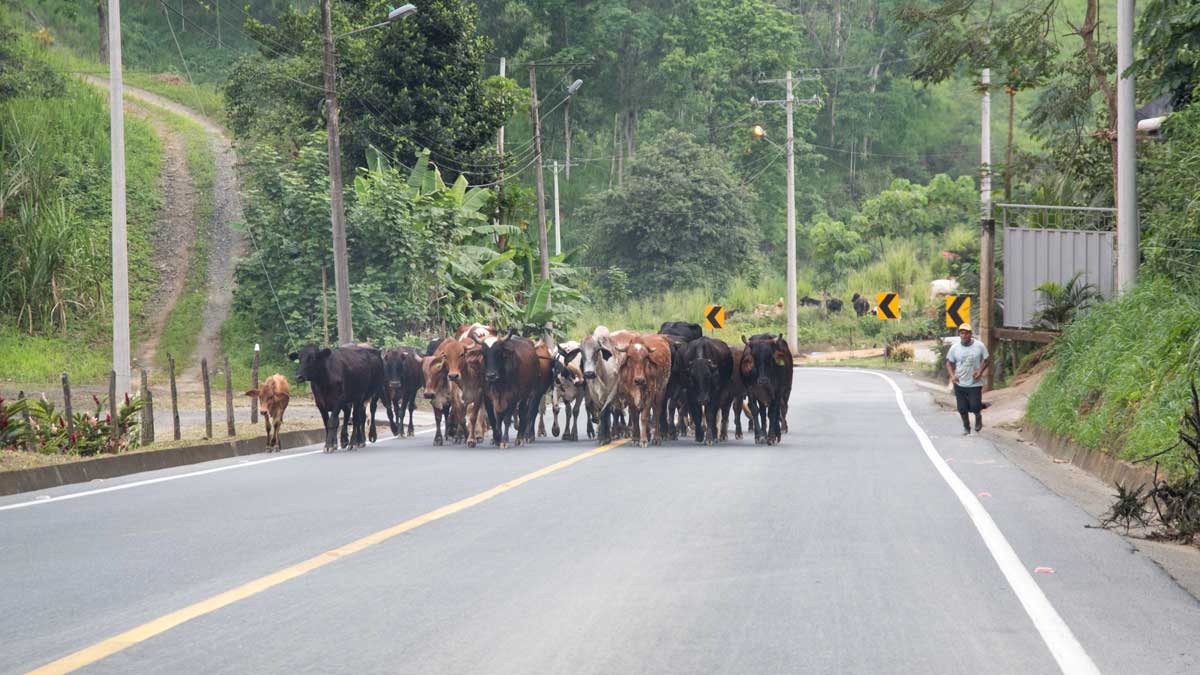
[967,359]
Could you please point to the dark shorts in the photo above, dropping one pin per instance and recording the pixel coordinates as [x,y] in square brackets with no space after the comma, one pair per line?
[970,399]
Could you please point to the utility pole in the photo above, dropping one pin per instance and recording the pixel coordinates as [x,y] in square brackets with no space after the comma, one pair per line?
[557,214]
[543,245]
[789,104]
[790,143]
[341,271]
[567,134]
[120,249]
[987,238]
[1128,227]
[500,153]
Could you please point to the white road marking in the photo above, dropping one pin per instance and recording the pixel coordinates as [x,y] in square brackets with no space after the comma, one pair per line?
[1063,645]
[46,499]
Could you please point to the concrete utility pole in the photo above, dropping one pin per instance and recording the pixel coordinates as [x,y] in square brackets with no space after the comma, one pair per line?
[543,245]
[557,213]
[341,270]
[789,104]
[120,249]
[1128,227]
[987,237]
[500,152]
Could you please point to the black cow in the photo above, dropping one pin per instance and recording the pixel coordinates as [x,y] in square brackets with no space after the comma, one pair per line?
[709,366]
[402,368]
[433,345]
[673,421]
[767,374]
[510,387]
[861,305]
[343,381]
[683,329]
[833,304]
[809,302]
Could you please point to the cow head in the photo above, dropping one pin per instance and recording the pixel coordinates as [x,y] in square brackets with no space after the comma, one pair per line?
[456,353]
[766,354]
[434,370]
[639,367]
[593,351]
[312,362]
[496,357]
[703,379]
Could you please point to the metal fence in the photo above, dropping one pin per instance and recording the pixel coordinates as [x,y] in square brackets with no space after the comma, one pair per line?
[1053,243]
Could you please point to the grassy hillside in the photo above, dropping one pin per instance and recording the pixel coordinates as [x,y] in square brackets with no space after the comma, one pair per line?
[55,299]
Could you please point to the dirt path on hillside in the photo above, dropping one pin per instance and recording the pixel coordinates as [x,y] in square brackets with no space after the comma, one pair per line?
[174,233]
[227,245]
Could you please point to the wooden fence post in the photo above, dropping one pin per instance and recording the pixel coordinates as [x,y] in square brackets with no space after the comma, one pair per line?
[147,411]
[254,386]
[113,422]
[67,408]
[25,418]
[207,398]
[174,395]
[229,399]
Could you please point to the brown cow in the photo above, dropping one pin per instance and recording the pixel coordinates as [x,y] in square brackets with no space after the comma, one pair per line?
[464,370]
[440,392]
[273,397]
[643,378]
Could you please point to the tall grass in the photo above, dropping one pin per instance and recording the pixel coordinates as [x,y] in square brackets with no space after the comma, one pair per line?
[1121,373]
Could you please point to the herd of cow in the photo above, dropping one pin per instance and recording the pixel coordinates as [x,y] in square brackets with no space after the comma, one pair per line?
[649,387]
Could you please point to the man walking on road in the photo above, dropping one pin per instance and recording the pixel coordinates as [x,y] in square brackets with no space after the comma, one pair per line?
[966,363]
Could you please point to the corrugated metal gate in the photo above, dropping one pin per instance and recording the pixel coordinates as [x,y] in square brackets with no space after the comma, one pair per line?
[1053,243]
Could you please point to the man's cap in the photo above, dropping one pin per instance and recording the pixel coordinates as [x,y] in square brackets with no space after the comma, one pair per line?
[965,326]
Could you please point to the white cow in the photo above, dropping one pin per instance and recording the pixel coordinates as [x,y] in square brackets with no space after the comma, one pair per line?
[601,367]
[941,287]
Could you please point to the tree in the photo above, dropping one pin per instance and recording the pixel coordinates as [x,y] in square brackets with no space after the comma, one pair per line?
[1169,47]
[681,216]
[836,249]
[402,88]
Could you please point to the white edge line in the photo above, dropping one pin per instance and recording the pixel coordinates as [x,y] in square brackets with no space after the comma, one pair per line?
[164,479]
[1055,632]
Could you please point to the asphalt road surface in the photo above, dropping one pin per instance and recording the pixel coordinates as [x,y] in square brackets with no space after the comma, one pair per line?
[855,546]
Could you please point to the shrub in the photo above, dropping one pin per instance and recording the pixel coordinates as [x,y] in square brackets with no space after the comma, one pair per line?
[47,431]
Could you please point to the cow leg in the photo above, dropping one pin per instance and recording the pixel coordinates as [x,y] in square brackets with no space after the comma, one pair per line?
[437,423]
[267,424]
[278,422]
[412,407]
[331,430]
[346,424]
[773,435]
[490,407]
[541,425]
[358,435]
[696,412]
[783,408]
[374,435]
[710,418]
[754,423]
[572,420]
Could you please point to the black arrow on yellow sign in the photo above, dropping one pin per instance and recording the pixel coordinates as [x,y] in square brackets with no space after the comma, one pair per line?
[715,316]
[886,306]
[958,307]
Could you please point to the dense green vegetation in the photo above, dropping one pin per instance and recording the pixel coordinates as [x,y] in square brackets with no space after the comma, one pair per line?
[55,217]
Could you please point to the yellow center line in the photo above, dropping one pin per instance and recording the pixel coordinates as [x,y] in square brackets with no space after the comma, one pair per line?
[117,643]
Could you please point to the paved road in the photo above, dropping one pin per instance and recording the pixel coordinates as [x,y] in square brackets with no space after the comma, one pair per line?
[843,550]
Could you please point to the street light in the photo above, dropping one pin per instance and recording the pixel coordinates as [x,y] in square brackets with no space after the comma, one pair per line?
[574,87]
[341,271]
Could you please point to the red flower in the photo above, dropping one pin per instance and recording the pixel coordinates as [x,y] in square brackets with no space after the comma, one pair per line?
[126,398]
[97,400]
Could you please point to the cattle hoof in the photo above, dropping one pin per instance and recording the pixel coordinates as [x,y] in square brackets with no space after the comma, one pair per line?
[737,436]
[710,442]
[643,444]
[503,445]
[471,443]
[437,440]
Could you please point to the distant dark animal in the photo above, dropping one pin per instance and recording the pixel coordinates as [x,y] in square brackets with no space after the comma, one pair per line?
[402,370]
[433,345]
[861,305]
[833,305]
[683,329]
[809,302]
[343,381]
[272,399]
[735,397]
[643,377]
[709,367]
[766,372]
